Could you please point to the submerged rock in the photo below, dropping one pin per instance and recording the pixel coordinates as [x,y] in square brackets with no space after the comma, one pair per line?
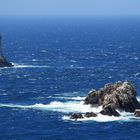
[110,111]
[119,96]
[90,114]
[76,116]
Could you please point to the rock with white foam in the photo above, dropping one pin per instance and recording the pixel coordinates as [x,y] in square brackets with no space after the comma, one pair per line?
[110,111]
[90,114]
[120,95]
[3,60]
[137,113]
[76,116]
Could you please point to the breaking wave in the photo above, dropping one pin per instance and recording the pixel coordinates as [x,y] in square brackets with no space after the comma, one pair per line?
[78,98]
[104,118]
[28,66]
[65,107]
[75,107]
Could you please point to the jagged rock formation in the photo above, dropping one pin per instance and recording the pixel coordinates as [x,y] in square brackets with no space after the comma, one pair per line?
[3,61]
[119,96]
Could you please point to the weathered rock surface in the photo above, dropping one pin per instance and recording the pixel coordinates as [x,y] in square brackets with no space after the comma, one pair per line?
[76,116]
[90,114]
[137,113]
[121,96]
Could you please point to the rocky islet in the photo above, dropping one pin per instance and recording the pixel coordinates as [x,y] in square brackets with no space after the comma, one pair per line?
[113,98]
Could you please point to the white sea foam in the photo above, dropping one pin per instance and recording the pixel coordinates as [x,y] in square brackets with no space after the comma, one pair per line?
[138,98]
[75,107]
[101,118]
[78,98]
[66,107]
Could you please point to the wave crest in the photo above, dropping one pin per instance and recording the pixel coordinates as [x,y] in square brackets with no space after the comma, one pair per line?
[75,106]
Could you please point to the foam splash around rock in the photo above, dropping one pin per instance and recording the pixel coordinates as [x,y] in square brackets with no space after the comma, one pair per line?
[69,107]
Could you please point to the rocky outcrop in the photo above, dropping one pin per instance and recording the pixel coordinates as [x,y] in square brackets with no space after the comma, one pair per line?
[110,111]
[114,98]
[121,96]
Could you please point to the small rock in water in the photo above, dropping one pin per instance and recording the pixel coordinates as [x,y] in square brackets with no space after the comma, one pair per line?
[90,114]
[76,116]
[118,96]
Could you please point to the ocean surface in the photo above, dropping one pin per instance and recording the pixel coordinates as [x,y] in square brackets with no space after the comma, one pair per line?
[57,61]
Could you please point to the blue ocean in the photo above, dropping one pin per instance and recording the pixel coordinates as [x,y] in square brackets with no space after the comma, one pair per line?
[57,61]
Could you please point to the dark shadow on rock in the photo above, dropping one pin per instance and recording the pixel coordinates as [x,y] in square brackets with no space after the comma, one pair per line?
[110,111]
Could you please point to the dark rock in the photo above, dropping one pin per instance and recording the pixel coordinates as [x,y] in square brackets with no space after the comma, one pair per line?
[137,113]
[110,111]
[76,116]
[97,96]
[90,114]
[126,98]
[94,97]
[121,96]
[4,62]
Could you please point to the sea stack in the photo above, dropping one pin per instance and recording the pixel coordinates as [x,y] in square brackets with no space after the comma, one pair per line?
[3,61]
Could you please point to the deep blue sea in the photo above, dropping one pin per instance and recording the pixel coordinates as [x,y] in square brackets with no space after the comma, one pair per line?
[57,61]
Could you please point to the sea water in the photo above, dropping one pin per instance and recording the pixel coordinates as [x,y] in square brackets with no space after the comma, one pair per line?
[57,61]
